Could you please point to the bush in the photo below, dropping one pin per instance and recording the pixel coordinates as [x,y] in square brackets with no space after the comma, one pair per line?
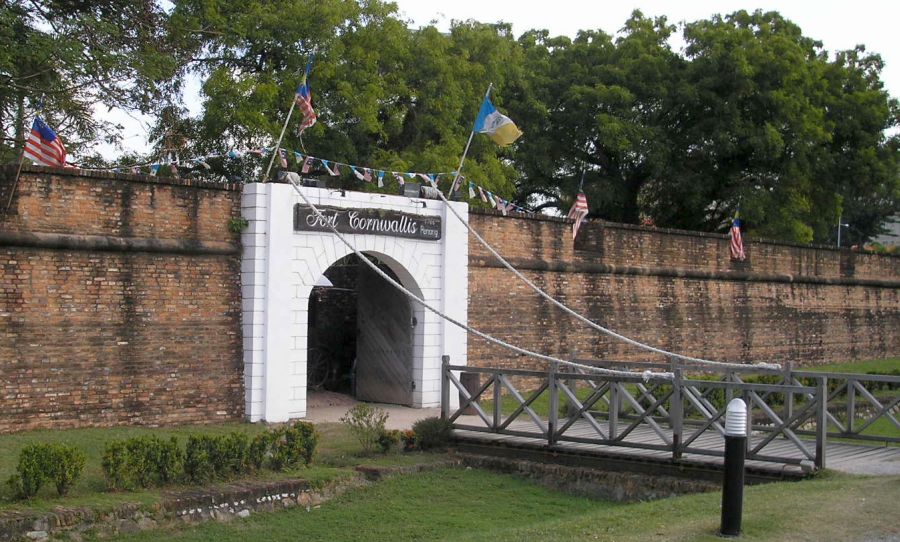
[169,461]
[388,440]
[198,459]
[366,423]
[259,449]
[39,463]
[116,467]
[141,461]
[31,472]
[293,445]
[229,455]
[408,437]
[432,433]
[68,463]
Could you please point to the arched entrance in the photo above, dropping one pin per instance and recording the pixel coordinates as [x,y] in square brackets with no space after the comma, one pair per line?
[361,334]
[288,251]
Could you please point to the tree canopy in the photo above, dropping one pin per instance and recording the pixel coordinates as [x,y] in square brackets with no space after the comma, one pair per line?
[751,115]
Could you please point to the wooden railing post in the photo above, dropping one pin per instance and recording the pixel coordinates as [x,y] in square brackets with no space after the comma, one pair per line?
[851,405]
[498,412]
[614,401]
[788,372]
[821,420]
[445,387]
[745,395]
[554,403]
[676,411]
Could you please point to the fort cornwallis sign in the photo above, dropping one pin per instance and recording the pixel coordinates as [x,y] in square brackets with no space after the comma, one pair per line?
[368,222]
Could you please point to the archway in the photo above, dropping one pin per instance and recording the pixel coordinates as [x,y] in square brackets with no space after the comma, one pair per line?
[361,337]
[286,254]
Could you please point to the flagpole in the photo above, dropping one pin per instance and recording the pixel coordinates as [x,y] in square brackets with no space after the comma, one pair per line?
[468,143]
[15,185]
[278,144]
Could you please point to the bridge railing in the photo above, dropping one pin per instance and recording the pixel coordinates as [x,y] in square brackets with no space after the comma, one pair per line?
[684,415]
[860,407]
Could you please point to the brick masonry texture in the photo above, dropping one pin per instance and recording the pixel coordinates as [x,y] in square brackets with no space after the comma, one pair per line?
[120,298]
[679,291]
[94,337]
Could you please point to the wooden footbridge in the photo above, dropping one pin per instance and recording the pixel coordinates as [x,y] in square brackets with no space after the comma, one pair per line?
[799,421]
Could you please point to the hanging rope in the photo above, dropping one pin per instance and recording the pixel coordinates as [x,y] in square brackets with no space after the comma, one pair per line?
[591,323]
[646,375]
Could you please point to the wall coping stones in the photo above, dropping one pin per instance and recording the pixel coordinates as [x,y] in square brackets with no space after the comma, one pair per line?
[594,222]
[10,170]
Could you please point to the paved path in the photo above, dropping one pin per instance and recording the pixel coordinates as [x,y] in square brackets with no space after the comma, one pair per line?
[400,417]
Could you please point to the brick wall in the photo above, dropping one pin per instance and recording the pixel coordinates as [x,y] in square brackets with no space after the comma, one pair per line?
[119,301]
[679,291]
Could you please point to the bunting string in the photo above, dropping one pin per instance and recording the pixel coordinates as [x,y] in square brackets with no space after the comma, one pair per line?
[334,168]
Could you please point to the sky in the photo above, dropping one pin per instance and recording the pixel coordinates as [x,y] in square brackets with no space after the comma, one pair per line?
[838,25]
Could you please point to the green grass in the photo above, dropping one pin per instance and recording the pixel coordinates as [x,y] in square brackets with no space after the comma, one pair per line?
[460,505]
[878,366]
[338,454]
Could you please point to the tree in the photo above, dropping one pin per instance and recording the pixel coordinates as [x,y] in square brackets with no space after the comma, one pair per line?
[604,103]
[76,57]
[386,96]
[770,126]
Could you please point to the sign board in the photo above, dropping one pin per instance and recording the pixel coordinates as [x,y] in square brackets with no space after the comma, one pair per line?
[368,222]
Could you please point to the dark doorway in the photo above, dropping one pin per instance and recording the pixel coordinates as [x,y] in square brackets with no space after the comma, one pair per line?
[384,341]
[360,335]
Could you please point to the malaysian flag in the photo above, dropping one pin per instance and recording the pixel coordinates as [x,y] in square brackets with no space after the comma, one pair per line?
[43,146]
[737,244]
[304,101]
[578,212]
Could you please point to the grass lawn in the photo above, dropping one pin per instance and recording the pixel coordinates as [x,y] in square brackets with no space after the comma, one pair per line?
[338,453]
[458,505]
[879,366]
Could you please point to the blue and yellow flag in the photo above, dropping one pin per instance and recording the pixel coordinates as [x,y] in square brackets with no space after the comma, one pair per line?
[496,125]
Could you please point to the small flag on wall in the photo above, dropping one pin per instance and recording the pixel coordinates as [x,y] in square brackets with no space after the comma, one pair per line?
[737,243]
[578,212]
[43,146]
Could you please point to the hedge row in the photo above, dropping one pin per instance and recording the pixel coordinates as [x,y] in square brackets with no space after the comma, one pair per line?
[150,461]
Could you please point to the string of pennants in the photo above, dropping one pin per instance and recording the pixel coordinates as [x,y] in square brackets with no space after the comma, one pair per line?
[333,168]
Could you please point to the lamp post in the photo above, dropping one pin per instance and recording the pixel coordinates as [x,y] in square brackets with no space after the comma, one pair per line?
[733,482]
[840,225]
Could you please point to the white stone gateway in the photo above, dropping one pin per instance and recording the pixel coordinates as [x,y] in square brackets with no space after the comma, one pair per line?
[282,261]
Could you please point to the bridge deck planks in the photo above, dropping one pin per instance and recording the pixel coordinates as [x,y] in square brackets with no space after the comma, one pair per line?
[840,456]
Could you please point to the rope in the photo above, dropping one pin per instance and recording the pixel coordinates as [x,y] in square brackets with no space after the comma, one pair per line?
[646,375]
[589,322]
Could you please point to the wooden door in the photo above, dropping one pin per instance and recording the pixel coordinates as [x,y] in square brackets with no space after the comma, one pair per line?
[384,341]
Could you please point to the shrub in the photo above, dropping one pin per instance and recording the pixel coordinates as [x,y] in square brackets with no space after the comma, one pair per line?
[366,423]
[293,445]
[388,440]
[115,465]
[221,457]
[198,465]
[141,461]
[229,455]
[259,449]
[408,437]
[39,463]
[31,471]
[169,461]
[432,433]
[67,465]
